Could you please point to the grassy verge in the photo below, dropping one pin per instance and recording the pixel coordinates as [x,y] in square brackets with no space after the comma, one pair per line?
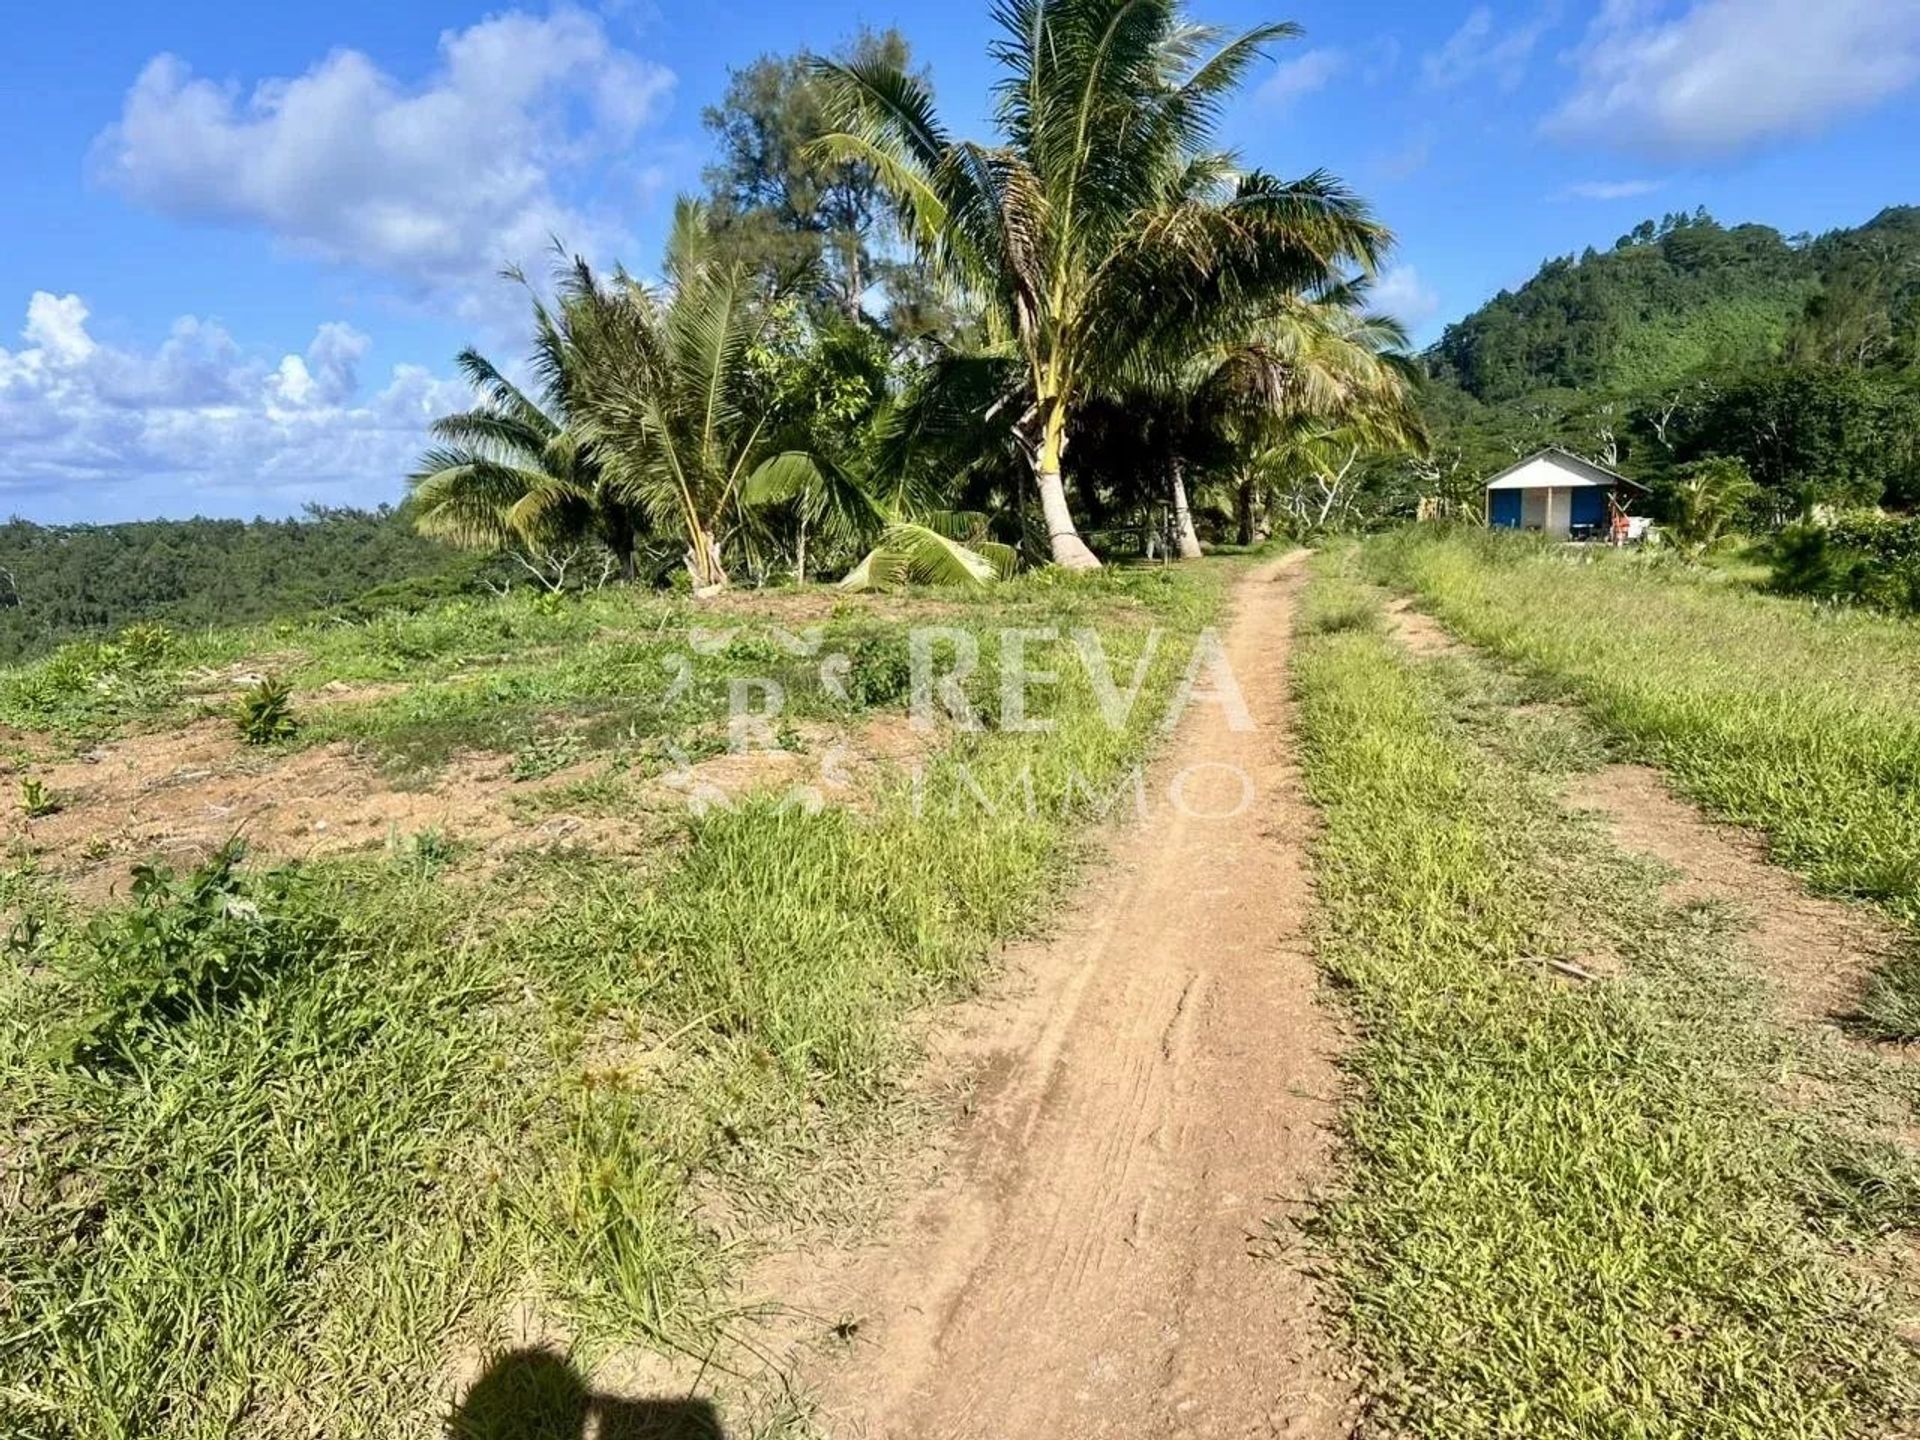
[1772,713]
[280,1145]
[1571,1209]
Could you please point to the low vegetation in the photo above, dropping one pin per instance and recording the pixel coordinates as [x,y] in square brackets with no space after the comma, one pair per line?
[286,1140]
[1571,1207]
[264,712]
[1770,713]
[1863,558]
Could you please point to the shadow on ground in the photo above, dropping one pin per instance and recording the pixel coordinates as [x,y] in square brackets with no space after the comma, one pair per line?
[536,1394]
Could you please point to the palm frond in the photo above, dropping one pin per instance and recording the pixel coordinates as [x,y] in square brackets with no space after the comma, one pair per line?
[466,499]
[916,554]
[501,393]
[833,503]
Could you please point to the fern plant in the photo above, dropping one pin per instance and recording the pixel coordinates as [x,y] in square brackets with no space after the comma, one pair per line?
[264,712]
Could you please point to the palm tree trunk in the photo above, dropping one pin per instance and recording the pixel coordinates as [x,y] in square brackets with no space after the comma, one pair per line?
[1243,509]
[800,554]
[1069,550]
[1183,516]
[703,562]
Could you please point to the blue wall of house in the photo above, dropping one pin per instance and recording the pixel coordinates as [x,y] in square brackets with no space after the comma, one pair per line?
[1589,507]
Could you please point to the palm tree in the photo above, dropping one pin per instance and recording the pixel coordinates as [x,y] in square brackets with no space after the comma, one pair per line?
[876,498]
[1105,226]
[1314,385]
[513,471]
[663,389]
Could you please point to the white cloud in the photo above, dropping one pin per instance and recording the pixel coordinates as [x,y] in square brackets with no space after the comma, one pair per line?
[1301,76]
[326,375]
[58,326]
[1480,49]
[1401,293]
[1716,76]
[437,184]
[1611,189]
[199,424]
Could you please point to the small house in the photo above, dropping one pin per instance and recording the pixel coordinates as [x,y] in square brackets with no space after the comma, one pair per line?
[1555,492]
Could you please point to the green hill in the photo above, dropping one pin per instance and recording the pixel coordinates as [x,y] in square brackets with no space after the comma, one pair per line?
[1798,355]
[1686,293]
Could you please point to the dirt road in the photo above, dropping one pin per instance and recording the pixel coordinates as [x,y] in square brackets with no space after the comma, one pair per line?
[1105,1252]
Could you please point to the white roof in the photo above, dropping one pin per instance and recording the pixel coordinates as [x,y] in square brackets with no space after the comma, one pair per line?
[1559,470]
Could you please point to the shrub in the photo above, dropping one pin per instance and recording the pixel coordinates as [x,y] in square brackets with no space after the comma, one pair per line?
[1703,498]
[184,947]
[145,646]
[1862,557]
[264,712]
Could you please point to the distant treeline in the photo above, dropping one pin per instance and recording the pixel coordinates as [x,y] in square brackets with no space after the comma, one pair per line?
[62,582]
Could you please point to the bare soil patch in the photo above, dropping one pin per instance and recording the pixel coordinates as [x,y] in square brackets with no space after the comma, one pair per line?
[177,795]
[1818,951]
[1418,631]
[1100,1246]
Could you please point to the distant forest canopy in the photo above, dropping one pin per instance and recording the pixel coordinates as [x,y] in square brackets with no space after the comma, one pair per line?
[1690,341]
[62,582]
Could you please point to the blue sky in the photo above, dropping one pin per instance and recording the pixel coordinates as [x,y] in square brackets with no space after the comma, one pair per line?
[242,243]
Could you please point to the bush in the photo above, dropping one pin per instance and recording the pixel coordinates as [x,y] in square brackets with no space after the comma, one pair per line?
[1864,558]
[184,947]
[1702,499]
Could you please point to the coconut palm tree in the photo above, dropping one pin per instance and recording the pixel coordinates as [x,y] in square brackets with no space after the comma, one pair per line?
[874,497]
[513,471]
[663,389]
[1315,378]
[1104,225]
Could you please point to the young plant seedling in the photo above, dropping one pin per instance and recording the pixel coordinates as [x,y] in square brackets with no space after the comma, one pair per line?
[36,800]
[264,712]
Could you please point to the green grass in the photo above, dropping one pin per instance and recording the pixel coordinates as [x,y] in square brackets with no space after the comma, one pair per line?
[1567,1209]
[620,666]
[1773,713]
[278,1143]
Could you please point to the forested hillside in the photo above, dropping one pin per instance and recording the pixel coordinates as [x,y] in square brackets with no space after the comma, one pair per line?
[61,581]
[1690,340]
